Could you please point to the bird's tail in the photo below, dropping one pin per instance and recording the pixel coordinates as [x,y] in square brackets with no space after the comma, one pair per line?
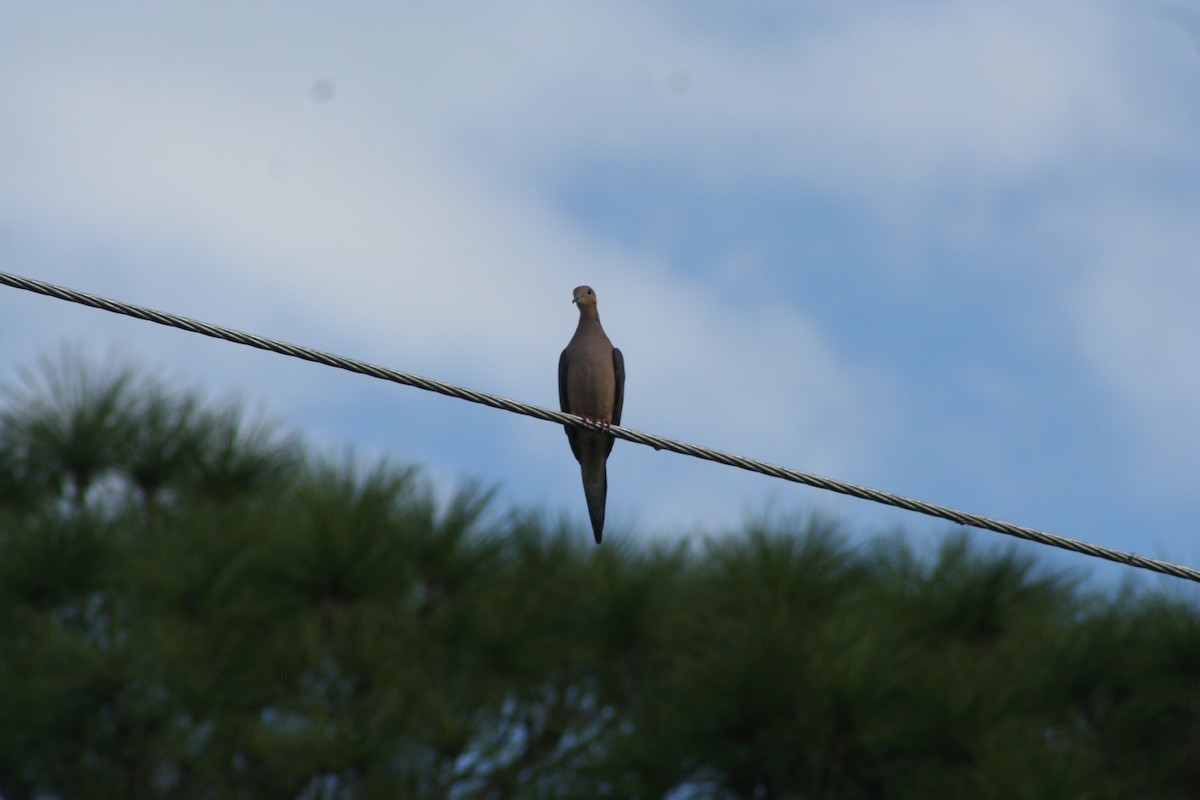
[595,489]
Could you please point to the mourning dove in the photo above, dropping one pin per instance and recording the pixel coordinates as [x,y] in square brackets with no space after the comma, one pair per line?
[591,383]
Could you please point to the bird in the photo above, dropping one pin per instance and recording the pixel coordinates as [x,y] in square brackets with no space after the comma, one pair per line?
[591,384]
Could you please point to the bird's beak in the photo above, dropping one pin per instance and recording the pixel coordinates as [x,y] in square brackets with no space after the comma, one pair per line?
[574,299]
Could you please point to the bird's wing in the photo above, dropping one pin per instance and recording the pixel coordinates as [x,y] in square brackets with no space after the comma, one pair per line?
[619,400]
[563,405]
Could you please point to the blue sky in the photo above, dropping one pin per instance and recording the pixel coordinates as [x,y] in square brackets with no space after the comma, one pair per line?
[945,249]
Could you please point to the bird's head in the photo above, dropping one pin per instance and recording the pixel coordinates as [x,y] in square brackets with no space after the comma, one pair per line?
[583,296]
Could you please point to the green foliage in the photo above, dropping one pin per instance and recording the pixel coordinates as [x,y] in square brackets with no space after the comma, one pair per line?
[193,606]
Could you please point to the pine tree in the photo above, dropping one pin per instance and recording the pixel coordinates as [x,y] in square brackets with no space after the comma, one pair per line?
[194,605]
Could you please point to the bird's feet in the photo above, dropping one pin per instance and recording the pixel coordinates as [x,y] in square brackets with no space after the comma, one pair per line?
[603,423]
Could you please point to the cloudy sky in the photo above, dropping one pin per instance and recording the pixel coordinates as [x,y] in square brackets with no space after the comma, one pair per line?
[945,249]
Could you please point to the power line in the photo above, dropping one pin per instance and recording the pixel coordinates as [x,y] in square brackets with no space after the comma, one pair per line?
[638,437]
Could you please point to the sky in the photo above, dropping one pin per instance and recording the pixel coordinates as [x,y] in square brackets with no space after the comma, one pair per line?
[947,249]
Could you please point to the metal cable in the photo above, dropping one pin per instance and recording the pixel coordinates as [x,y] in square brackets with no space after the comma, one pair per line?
[657,442]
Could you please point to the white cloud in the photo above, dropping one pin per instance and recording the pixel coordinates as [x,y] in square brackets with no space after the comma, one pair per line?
[406,218]
[375,221]
[891,99]
[1137,324]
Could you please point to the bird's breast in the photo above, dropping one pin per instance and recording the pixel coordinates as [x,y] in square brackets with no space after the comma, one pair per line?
[592,386]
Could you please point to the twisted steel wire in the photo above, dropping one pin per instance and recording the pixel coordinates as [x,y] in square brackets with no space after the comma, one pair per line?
[628,434]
